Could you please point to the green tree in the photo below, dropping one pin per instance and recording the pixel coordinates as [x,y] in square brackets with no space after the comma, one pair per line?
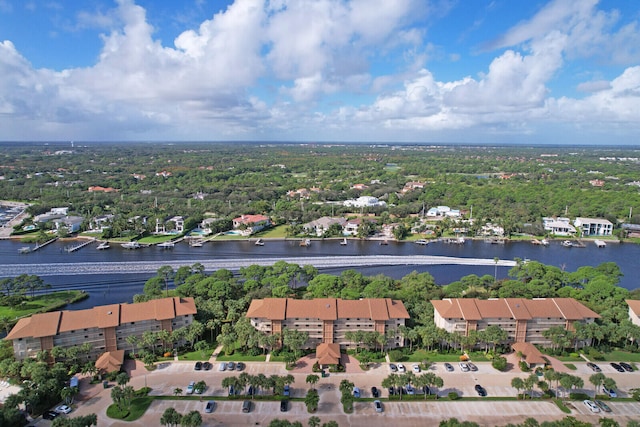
[312,380]
[170,417]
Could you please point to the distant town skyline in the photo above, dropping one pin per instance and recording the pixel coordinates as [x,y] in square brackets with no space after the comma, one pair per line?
[442,71]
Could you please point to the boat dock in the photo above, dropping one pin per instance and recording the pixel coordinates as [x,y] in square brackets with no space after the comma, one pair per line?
[27,249]
[79,246]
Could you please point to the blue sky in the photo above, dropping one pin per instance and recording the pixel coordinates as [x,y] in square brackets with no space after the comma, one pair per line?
[472,71]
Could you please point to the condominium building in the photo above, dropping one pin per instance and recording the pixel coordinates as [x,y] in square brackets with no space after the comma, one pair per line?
[524,320]
[328,319]
[105,327]
[634,311]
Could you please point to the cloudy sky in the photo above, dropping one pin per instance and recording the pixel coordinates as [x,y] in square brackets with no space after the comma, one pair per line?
[471,71]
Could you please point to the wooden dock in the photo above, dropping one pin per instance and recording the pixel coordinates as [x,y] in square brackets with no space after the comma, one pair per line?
[79,246]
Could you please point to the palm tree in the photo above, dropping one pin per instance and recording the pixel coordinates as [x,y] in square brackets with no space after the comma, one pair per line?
[312,379]
[597,380]
[170,417]
[177,391]
[314,421]
[518,384]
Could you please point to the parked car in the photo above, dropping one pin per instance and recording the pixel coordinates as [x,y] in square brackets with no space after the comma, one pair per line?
[464,367]
[392,391]
[284,405]
[63,409]
[356,392]
[410,389]
[602,405]
[250,391]
[401,368]
[240,366]
[471,366]
[609,391]
[231,366]
[448,366]
[416,368]
[222,366]
[232,390]
[626,366]
[198,366]
[246,406]
[591,406]
[617,367]
[190,387]
[378,405]
[207,366]
[286,391]
[375,392]
[210,405]
[426,390]
[393,368]
[594,367]
[50,415]
[482,392]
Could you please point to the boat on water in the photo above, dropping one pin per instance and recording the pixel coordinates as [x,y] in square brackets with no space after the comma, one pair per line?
[567,243]
[423,242]
[384,242]
[102,246]
[544,242]
[24,250]
[600,243]
[131,245]
[166,245]
[343,242]
[259,242]
[305,242]
[196,243]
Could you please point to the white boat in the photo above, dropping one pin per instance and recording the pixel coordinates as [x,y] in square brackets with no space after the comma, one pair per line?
[305,242]
[343,242]
[600,243]
[24,250]
[567,243]
[422,242]
[544,242]
[166,245]
[131,245]
[196,243]
[259,242]
[103,245]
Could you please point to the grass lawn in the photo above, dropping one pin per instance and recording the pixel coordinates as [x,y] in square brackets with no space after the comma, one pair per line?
[239,357]
[621,356]
[156,239]
[278,232]
[42,303]
[198,355]
[139,406]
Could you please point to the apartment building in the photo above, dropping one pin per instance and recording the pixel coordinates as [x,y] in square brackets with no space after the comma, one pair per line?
[328,319]
[634,311]
[105,327]
[524,320]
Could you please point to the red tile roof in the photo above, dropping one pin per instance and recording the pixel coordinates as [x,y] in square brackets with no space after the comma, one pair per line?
[104,316]
[327,309]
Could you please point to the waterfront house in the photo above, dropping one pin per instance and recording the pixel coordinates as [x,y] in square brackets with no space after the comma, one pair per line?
[443,211]
[251,223]
[594,226]
[326,320]
[321,225]
[524,320]
[174,225]
[558,226]
[105,327]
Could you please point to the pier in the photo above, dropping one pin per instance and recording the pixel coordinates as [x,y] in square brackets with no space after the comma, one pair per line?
[79,246]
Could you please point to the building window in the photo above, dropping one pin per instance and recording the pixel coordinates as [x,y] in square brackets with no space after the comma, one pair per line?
[86,336]
[133,323]
[100,334]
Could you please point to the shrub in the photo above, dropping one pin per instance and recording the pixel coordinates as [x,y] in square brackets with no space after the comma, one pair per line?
[499,363]
[453,395]
[523,366]
[316,367]
[579,396]
[595,354]
[574,355]
[396,356]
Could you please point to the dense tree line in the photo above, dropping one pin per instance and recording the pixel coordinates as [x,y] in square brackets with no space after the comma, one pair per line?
[238,179]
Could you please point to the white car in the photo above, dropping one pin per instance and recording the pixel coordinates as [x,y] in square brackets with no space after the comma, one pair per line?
[591,405]
[401,368]
[464,367]
[609,392]
[222,367]
[63,409]
[416,368]
[190,387]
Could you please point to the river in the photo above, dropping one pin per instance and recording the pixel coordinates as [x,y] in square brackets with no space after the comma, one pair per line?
[116,274]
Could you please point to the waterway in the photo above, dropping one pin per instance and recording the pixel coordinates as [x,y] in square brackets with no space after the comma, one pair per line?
[116,274]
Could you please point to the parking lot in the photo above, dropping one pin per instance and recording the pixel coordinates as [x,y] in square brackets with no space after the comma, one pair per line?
[171,375]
